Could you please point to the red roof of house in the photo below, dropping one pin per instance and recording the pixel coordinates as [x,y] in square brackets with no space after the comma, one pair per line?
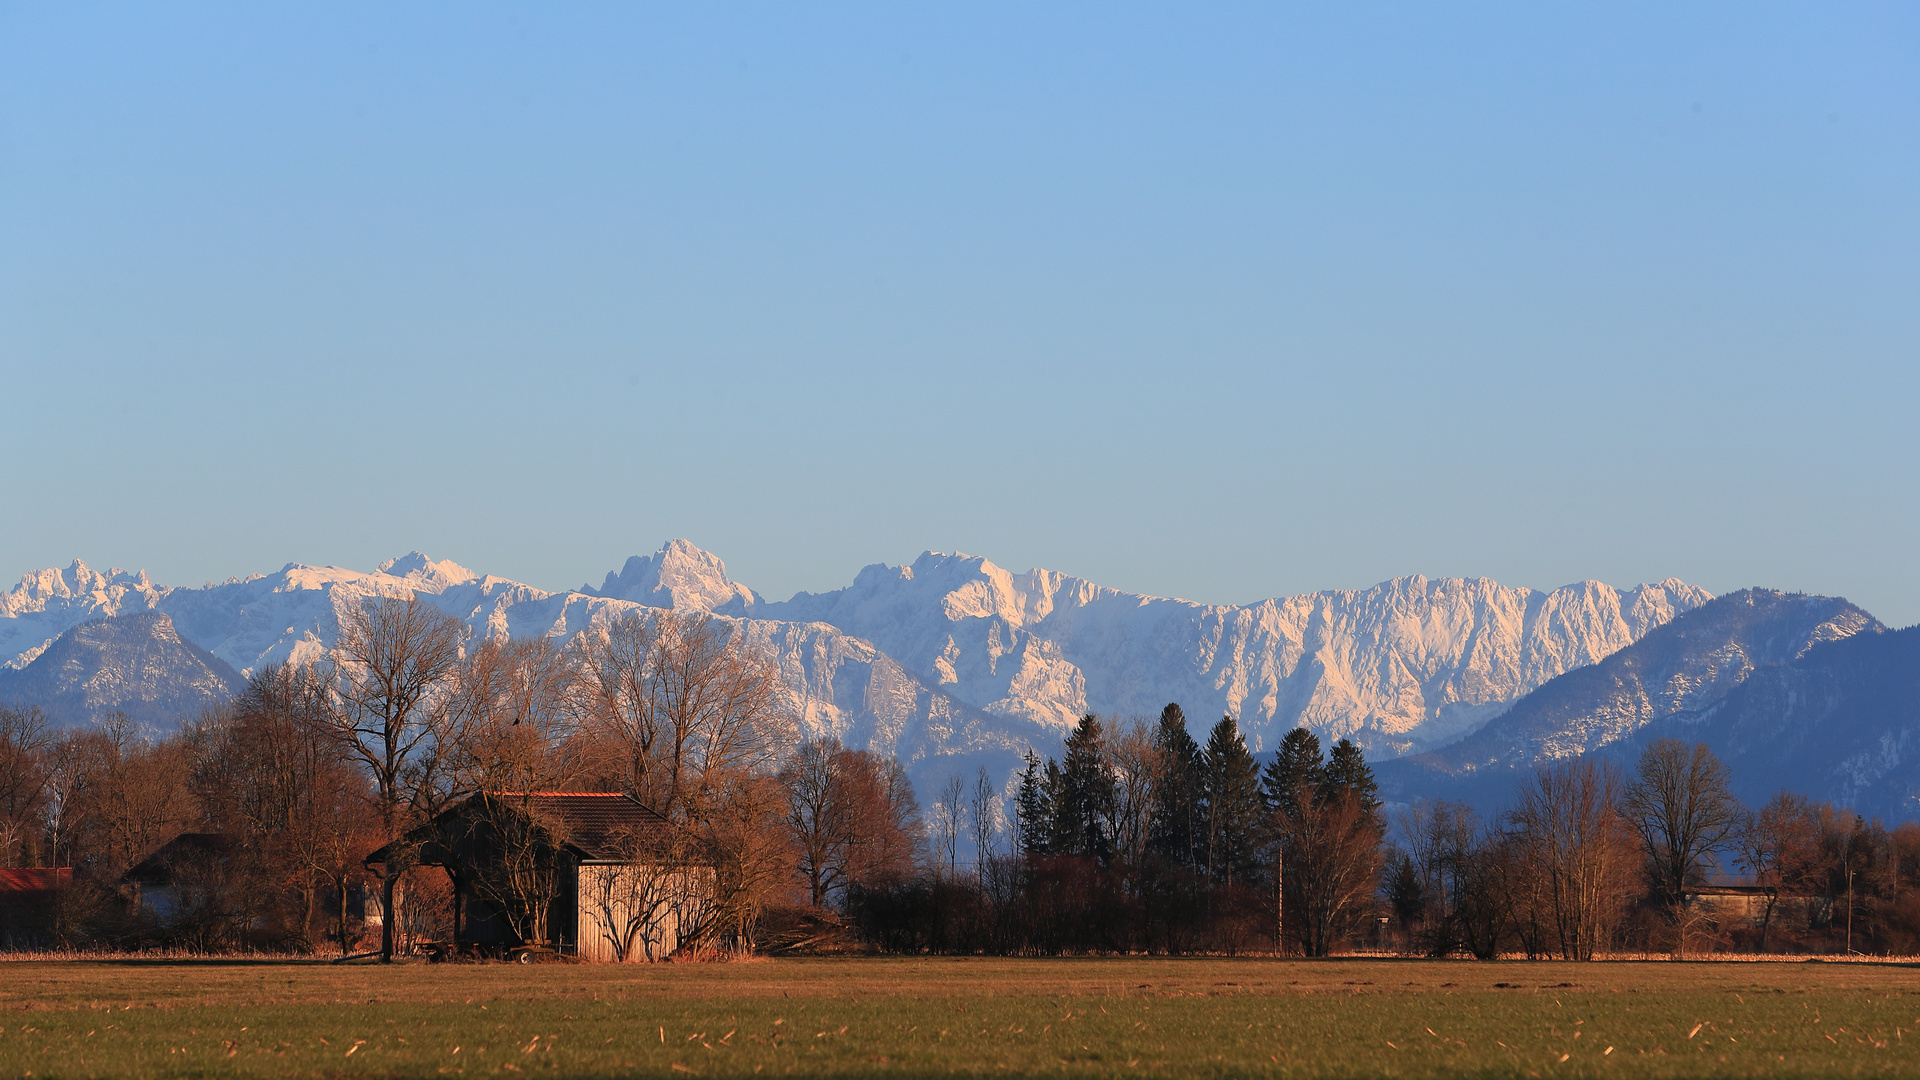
[34,879]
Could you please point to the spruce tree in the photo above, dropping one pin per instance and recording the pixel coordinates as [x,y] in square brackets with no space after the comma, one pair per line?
[1347,771]
[1297,768]
[1083,805]
[1030,806]
[1177,791]
[1233,805]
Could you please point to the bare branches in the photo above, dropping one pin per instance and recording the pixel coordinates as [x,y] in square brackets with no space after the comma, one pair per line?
[687,704]
[1684,812]
[1577,853]
[24,737]
[510,717]
[390,666]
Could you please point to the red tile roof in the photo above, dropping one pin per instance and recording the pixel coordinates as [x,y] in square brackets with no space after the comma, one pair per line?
[34,879]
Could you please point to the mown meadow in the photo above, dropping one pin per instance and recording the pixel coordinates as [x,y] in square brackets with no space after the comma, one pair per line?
[927,1017]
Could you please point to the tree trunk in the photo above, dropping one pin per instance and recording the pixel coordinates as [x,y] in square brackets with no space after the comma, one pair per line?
[386,913]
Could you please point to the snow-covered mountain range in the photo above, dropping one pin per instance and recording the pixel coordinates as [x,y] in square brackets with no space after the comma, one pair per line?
[954,661]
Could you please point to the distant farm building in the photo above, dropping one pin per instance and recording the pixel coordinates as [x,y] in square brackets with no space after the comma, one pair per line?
[29,897]
[594,875]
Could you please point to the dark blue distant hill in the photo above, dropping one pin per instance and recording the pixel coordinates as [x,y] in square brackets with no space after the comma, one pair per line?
[136,664]
[1806,692]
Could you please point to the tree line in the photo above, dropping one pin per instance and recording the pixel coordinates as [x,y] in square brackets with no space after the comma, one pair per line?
[1136,838]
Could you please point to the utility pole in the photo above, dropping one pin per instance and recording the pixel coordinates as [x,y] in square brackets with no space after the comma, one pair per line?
[1849,907]
[1279,897]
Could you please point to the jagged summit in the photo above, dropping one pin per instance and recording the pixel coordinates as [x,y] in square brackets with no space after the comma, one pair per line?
[415,566]
[681,576]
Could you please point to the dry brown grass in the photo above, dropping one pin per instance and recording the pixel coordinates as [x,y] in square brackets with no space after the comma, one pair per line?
[901,1016]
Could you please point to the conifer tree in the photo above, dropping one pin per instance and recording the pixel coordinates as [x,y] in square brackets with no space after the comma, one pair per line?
[1297,768]
[1030,806]
[1178,791]
[1083,803]
[1054,796]
[1233,804]
[1347,771]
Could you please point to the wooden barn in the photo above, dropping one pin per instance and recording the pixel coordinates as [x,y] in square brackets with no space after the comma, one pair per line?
[593,875]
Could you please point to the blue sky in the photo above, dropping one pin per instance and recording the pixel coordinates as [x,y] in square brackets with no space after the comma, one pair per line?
[1222,303]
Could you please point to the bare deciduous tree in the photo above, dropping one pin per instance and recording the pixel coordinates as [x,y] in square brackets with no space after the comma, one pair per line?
[1779,846]
[1576,854]
[24,737]
[949,811]
[390,667]
[508,704]
[818,815]
[688,706]
[119,796]
[852,818]
[984,812]
[268,772]
[1681,806]
[1138,766]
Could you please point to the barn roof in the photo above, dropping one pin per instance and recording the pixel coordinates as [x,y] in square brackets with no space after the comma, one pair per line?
[596,826]
[158,868]
[602,826]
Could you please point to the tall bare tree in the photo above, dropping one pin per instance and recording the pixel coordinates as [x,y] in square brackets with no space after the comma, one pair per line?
[509,703]
[949,811]
[1577,855]
[852,818]
[818,815]
[1139,765]
[686,704]
[1779,846]
[118,796]
[1681,806]
[984,812]
[24,737]
[389,672]
[268,772]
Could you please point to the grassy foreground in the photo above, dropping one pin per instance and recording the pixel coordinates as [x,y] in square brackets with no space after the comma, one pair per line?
[909,1017]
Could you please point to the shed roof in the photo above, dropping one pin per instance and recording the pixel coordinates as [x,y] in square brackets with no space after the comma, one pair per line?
[158,868]
[33,879]
[602,826]
[596,826]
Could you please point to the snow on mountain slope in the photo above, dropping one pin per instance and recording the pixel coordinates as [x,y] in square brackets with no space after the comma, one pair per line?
[841,685]
[954,661]
[136,663]
[1404,666]
[48,603]
[679,576]
[1692,661]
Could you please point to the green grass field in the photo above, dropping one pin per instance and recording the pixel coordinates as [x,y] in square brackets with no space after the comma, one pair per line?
[895,1017]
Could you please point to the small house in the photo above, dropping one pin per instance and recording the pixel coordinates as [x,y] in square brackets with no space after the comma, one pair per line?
[29,897]
[594,875]
[186,878]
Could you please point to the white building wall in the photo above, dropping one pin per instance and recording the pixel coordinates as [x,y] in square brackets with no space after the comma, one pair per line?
[639,913]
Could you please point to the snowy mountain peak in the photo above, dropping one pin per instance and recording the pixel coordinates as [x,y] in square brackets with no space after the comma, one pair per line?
[413,566]
[680,576]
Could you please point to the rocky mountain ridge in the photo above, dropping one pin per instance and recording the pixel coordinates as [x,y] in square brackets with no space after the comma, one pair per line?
[952,660]
[1402,666]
